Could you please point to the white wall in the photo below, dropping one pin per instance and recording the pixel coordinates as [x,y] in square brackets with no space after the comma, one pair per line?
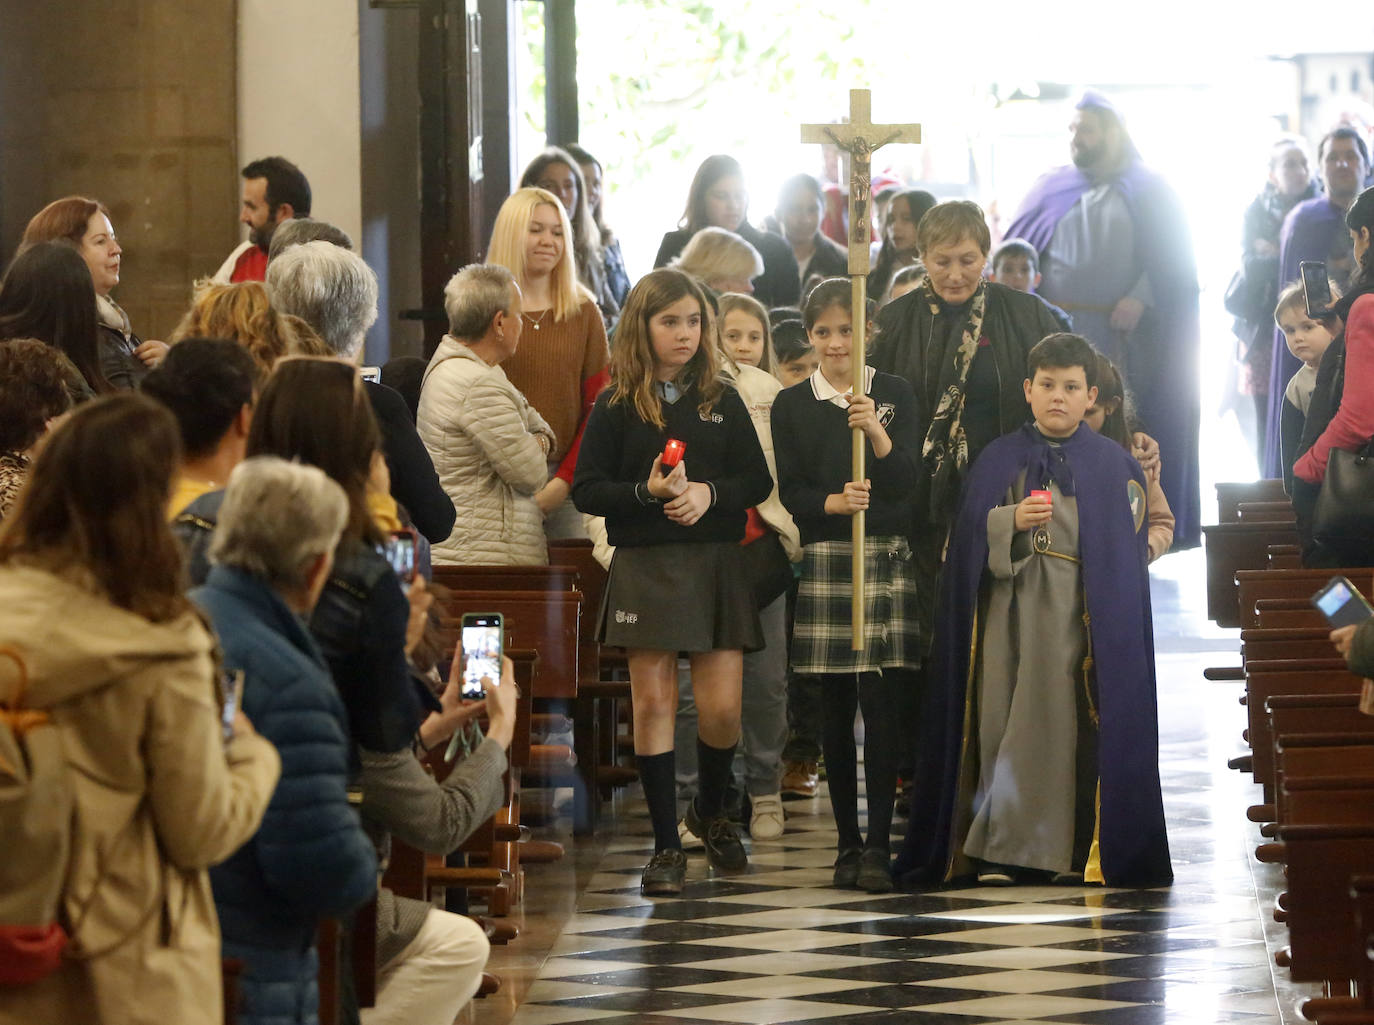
[298,97]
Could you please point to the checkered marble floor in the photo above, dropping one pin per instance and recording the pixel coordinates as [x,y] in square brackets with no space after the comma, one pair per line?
[777,944]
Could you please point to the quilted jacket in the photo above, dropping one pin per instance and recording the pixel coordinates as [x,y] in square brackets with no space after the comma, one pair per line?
[484,439]
[311,858]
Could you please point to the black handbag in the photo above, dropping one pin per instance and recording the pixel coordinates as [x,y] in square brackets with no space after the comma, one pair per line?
[1344,513]
[1236,299]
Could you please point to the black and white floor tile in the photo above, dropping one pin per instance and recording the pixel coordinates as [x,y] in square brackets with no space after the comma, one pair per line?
[777,944]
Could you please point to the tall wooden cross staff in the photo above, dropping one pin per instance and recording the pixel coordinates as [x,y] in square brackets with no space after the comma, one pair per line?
[859,138]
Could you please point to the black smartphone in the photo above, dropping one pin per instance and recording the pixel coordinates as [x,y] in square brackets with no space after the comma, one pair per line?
[483,640]
[233,685]
[399,550]
[1341,603]
[1316,288]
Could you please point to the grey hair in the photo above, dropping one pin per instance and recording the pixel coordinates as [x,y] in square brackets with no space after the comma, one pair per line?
[474,296]
[299,230]
[277,516]
[329,288]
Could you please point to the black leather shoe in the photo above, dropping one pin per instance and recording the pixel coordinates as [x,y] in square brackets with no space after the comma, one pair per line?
[665,874]
[724,849]
[846,875]
[875,872]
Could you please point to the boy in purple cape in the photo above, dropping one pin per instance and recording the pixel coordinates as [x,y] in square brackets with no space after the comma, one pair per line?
[1116,254]
[1041,748]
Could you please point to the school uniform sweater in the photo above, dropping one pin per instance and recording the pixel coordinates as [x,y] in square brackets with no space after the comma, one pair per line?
[812,444]
[618,450]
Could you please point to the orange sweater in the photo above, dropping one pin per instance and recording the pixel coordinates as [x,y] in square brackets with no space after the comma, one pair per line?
[551,366]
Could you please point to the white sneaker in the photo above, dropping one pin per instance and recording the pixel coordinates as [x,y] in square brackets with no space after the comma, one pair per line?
[689,840]
[766,822]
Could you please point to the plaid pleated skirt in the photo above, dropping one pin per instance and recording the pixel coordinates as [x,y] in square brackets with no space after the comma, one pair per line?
[825,596]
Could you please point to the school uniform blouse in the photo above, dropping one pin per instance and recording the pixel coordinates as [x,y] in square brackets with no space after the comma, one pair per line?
[618,450]
[812,443]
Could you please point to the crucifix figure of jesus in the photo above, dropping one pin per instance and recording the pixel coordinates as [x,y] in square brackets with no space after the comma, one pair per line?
[859,137]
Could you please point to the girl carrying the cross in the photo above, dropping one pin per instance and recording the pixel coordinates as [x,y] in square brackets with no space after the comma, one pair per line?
[812,428]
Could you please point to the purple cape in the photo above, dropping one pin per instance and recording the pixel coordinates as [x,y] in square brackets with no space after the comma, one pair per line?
[1163,371]
[1134,846]
[1309,231]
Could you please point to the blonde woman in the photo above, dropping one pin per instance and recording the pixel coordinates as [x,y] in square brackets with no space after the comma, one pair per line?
[561,364]
[243,313]
[721,260]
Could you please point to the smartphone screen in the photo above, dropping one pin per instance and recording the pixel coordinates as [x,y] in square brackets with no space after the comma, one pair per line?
[1341,604]
[481,654]
[1316,288]
[399,550]
[373,374]
[232,683]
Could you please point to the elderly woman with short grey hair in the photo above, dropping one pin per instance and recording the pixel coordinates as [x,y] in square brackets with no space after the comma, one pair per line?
[299,230]
[272,552]
[489,445]
[721,260]
[329,288]
[335,292]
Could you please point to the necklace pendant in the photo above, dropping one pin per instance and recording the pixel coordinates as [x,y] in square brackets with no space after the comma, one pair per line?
[1040,540]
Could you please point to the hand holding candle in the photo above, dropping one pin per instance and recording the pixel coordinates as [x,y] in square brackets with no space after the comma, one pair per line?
[1035,510]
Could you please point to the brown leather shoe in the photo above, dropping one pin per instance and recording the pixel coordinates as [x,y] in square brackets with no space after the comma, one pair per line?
[801,778]
[490,984]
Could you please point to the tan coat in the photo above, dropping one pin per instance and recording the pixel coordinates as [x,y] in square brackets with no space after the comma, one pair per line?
[158,801]
[484,440]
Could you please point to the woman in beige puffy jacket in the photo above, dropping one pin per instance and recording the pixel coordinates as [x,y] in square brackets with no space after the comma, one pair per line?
[489,445]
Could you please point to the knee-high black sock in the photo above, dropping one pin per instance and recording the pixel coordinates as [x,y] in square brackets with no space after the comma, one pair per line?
[838,701]
[656,775]
[713,776]
[878,697]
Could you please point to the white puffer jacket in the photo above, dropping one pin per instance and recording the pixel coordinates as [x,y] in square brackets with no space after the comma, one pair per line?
[484,439]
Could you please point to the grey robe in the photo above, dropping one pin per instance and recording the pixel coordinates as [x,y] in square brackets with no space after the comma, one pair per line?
[1029,701]
[1091,263]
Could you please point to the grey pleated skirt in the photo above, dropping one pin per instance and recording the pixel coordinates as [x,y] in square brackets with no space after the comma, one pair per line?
[680,597]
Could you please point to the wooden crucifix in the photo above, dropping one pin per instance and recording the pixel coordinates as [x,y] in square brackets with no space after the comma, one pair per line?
[859,137]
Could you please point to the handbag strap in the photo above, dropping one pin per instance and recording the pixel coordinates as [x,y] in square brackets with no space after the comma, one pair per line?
[17,701]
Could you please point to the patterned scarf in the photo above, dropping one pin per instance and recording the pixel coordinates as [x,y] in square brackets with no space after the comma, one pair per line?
[945,452]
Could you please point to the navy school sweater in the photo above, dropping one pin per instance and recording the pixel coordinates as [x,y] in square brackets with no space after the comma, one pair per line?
[811,442]
[618,450]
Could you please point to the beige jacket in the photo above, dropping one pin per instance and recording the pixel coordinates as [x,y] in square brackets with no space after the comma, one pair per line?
[483,437]
[159,799]
[758,389]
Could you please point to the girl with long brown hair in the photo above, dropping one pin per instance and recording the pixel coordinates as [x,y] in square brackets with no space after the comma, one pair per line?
[677,582]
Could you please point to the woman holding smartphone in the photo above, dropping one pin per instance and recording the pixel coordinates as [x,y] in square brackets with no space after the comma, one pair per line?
[677,582]
[1341,412]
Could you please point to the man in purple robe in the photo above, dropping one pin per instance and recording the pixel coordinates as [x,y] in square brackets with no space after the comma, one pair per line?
[1116,254]
[1314,230]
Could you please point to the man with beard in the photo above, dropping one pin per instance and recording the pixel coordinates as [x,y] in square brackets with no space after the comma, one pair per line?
[1116,254]
[1315,230]
[274,190]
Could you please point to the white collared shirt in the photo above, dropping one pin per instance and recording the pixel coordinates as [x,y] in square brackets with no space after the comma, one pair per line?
[825,391]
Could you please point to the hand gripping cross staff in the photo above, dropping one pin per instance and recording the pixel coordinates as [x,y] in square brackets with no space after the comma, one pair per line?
[859,138]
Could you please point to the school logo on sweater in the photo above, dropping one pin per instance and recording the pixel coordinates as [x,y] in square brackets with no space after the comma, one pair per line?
[621,616]
[711,418]
[1135,494]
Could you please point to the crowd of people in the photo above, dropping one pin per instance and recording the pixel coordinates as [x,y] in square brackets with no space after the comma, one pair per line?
[196,591]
